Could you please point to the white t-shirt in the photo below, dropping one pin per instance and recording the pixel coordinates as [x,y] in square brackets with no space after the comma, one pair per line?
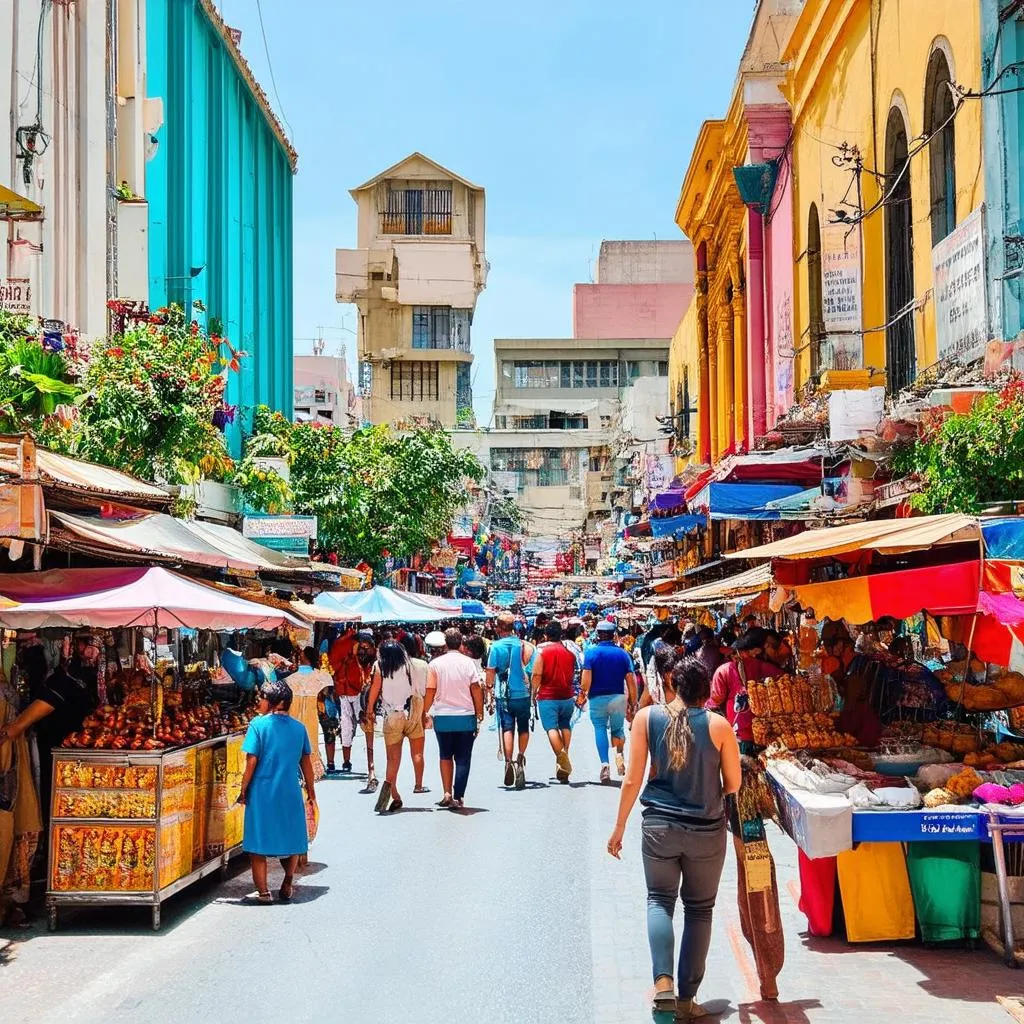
[419,676]
[455,673]
[397,689]
[308,682]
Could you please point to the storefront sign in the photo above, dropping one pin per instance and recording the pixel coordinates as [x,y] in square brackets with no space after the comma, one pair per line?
[288,534]
[16,294]
[840,280]
[961,302]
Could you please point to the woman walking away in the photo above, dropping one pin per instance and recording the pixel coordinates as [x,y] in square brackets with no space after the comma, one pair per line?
[695,762]
[659,676]
[393,684]
[456,702]
[277,749]
[418,667]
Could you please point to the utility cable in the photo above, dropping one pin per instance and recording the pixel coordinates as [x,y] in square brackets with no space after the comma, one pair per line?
[270,67]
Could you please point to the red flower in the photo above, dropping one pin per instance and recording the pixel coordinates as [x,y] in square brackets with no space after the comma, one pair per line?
[115,351]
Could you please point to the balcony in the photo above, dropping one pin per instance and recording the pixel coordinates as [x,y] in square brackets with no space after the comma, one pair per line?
[417,211]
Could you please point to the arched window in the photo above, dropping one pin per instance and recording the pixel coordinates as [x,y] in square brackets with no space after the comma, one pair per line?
[900,353]
[939,124]
[816,312]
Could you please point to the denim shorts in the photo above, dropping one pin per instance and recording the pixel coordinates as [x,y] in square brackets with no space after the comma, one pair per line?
[514,714]
[609,712]
[556,714]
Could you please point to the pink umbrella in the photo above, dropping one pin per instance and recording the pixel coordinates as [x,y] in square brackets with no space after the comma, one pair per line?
[107,598]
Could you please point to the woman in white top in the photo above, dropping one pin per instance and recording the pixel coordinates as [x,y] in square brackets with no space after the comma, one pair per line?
[418,666]
[456,702]
[394,685]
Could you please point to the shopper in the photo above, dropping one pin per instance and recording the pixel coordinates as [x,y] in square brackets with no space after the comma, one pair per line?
[659,676]
[508,692]
[695,762]
[729,684]
[553,671]
[609,683]
[329,715]
[418,668]
[277,749]
[352,656]
[455,702]
[402,708]
[707,651]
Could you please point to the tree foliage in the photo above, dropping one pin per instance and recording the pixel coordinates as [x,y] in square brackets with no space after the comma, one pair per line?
[375,493]
[969,460]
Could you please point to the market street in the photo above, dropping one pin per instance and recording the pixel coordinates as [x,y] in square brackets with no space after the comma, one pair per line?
[510,911]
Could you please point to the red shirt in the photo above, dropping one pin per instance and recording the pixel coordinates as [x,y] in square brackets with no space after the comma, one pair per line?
[558,667]
[348,673]
[727,685]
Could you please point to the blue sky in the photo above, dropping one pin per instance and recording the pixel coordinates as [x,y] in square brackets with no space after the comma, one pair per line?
[577,116]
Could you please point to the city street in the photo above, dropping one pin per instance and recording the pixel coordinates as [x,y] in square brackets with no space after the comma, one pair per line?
[508,911]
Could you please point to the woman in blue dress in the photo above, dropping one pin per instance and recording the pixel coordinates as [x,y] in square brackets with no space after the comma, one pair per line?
[277,750]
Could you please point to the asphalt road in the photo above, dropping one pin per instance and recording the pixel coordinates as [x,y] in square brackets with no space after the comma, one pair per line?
[509,911]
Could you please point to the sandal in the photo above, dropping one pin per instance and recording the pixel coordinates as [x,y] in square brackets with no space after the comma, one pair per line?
[287,889]
[383,798]
[422,789]
[396,805]
[257,897]
[446,801]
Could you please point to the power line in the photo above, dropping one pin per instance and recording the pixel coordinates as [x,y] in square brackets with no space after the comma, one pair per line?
[270,66]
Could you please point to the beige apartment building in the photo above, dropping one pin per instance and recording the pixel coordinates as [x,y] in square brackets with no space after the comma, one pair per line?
[415,277]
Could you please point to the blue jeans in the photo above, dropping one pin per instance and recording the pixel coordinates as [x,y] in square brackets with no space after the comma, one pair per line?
[556,714]
[608,713]
[681,863]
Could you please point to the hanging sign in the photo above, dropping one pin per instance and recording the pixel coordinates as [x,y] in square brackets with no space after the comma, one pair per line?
[961,301]
[16,294]
[841,299]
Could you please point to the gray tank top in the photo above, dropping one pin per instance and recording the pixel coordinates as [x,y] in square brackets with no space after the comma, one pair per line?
[691,795]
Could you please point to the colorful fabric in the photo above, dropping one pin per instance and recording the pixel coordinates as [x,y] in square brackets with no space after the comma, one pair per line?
[945,879]
[877,902]
[817,892]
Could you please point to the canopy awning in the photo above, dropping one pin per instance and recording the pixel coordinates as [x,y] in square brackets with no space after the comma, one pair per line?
[108,598]
[668,499]
[887,536]
[17,207]
[785,465]
[672,526]
[938,590]
[381,604]
[1004,538]
[742,501]
[745,584]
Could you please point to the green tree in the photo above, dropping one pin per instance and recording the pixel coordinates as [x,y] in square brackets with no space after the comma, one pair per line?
[374,492]
[970,460]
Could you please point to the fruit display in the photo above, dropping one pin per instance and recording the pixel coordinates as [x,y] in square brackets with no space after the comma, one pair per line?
[996,755]
[815,731]
[1005,690]
[87,775]
[788,695]
[957,789]
[103,859]
[134,728]
[104,803]
[956,737]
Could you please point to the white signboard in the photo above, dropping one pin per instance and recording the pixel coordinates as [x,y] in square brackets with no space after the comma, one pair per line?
[16,294]
[840,280]
[961,304]
[851,413]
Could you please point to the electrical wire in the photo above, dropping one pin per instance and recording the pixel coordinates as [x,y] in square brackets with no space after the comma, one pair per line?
[270,67]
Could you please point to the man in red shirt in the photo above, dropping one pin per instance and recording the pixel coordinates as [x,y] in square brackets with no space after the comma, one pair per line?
[352,657]
[729,684]
[554,669]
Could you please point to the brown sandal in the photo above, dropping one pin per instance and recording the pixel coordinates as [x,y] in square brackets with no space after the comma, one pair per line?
[287,889]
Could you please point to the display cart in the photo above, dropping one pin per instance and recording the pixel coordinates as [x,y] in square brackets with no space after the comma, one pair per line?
[133,828]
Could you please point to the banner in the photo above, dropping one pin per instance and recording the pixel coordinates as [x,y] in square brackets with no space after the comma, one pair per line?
[961,299]
[841,299]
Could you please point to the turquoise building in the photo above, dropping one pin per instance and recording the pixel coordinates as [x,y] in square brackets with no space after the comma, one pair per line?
[1002,68]
[219,187]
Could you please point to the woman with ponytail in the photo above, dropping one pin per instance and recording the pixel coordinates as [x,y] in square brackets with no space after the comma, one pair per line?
[694,764]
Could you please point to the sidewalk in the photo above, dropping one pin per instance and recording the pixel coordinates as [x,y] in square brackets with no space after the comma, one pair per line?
[824,981]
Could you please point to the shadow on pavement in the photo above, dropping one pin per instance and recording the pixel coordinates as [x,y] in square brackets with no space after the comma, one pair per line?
[467,812]
[763,1012]
[611,784]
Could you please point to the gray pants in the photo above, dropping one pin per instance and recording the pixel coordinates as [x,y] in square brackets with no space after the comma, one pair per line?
[687,864]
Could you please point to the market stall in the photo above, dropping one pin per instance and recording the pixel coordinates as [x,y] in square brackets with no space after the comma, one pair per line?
[889,771]
[143,795]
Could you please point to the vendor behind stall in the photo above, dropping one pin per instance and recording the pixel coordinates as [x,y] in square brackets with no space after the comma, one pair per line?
[858,716]
[729,684]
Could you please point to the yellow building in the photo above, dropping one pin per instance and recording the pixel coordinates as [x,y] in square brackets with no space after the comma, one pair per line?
[882,144]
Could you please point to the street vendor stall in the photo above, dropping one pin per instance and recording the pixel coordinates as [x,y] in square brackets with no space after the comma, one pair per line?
[143,795]
[883,757]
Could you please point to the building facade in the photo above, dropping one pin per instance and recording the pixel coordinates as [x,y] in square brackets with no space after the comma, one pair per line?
[735,207]
[323,391]
[219,188]
[73,129]
[888,185]
[415,277]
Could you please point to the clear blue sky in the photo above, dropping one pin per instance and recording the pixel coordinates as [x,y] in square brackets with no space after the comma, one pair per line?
[577,116]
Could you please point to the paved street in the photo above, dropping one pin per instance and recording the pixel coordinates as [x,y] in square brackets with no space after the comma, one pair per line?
[509,911]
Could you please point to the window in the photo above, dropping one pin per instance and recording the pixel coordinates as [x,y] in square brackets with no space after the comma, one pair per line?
[939,124]
[663,368]
[814,297]
[464,390]
[417,208]
[567,421]
[900,356]
[534,467]
[441,327]
[414,382]
[538,422]
[564,373]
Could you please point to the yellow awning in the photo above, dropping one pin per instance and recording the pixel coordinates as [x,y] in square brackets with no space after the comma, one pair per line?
[888,536]
[12,205]
[744,584]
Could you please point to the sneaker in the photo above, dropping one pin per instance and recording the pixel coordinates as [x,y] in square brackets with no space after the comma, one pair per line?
[606,773]
[520,773]
[563,762]
[330,768]
[383,798]
[457,804]
[620,763]
[510,774]
[347,767]
[689,1009]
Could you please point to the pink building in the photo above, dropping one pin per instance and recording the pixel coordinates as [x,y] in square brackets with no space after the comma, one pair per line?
[641,290]
[323,391]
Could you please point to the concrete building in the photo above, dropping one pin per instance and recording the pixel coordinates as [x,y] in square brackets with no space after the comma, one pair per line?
[415,277]
[219,186]
[73,128]
[641,290]
[323,392]
[562,409]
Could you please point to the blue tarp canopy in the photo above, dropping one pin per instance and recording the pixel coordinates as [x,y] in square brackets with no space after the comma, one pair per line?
[1004,538]
[668,499]
[743,501]
[674,525]
[799,502]
[381,604]
[474,610]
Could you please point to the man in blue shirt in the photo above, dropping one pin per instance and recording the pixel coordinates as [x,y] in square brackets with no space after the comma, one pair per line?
[508,690]
[609,683]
